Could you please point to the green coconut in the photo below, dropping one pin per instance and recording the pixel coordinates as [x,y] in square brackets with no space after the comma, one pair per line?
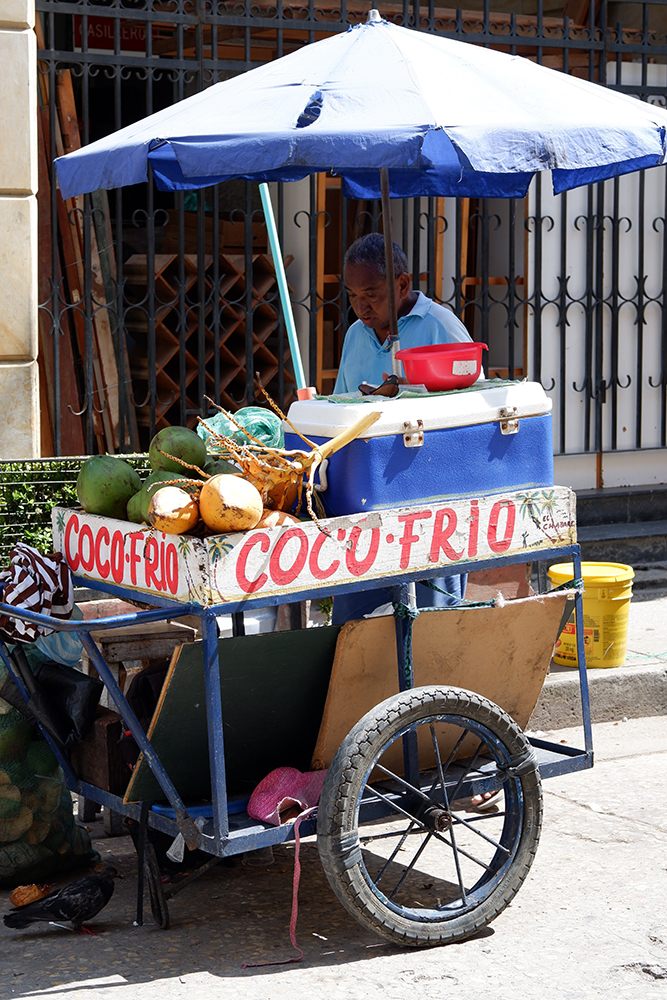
[105,484]
[10,801]
[150,486]
[180,442]
[41,759]
[134,509]
[14,737]
[219,467]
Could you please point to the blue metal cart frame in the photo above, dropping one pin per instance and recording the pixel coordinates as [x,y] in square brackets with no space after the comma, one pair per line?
[235,833]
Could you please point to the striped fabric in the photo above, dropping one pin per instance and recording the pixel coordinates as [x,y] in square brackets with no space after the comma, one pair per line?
[36,583]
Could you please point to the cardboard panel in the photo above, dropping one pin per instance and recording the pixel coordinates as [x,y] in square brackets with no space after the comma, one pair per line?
[502,653]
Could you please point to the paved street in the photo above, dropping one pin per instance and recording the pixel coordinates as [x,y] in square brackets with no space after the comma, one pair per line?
[589,922]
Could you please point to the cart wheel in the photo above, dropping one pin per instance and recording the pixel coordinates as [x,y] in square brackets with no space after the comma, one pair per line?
[428,868]
[159,907]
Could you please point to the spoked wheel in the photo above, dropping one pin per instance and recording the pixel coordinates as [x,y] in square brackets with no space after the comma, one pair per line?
[427,868]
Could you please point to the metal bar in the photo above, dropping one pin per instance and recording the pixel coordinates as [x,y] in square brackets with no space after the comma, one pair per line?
[581,658]
[216,743]
[271,600]
[511,289]
[249,395]
[201,404]
[562,328]
[141,850]
[389,265]
[600,393]
[238,623]
[641,304]
[216,293]
[185,824]
[614,309]
[404,598]
[313,298]
[182,310]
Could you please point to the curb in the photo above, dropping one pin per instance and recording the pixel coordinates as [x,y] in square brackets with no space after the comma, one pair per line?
[615,693]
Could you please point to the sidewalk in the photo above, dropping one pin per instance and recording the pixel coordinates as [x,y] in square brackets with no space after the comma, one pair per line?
[637,689]
[588,924]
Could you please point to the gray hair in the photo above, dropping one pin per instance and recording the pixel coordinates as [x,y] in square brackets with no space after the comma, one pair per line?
[370,250]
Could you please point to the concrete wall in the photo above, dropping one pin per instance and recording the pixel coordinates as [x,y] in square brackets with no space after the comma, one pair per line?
[19,380]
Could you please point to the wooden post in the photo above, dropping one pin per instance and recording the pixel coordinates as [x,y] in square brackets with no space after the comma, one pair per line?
[389,262]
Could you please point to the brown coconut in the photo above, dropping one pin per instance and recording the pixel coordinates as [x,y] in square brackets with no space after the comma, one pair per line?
[230,503]
[173,511]
[276,518]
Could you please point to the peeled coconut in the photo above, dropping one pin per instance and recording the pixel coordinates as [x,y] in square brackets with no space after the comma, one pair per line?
[173,511]
[230,503]
[105,484]
[276,518]
[151,486]
[180,442]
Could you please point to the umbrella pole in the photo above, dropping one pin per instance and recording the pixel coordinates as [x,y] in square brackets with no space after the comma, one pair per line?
[283,289]
[389,263]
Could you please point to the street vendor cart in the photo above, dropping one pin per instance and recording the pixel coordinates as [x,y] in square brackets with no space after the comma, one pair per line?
[400,847]
[399,113]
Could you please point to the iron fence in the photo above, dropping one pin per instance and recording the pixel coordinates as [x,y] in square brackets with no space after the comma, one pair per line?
[151,302]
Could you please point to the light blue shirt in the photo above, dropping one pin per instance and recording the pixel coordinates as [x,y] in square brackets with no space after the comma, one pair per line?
[364,358]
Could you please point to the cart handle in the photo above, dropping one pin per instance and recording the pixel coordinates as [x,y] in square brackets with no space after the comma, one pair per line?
[329,447]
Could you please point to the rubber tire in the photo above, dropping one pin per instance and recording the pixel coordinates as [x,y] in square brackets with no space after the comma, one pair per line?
[344,786]
[156,895]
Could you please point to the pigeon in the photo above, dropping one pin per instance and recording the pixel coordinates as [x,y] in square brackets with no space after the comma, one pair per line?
[78,901]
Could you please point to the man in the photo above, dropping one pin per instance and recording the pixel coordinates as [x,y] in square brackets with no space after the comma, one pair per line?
[366,357]
[367,348]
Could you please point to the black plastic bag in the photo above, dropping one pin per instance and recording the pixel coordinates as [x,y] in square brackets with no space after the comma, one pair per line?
[63,700]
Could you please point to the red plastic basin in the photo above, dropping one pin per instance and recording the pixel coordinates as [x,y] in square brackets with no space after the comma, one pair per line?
[442,366]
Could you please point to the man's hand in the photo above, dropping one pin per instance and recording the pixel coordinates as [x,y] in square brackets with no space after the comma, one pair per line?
[401,379]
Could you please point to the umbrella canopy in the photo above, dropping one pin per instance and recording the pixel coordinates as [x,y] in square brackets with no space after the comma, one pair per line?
[445,117]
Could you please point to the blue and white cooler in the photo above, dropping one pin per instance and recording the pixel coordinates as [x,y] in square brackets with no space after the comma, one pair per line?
[472,442]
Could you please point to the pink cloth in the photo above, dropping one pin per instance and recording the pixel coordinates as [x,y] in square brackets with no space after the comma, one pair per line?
[281,790]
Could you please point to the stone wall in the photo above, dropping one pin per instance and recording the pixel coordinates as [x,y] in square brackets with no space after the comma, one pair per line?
[19,380]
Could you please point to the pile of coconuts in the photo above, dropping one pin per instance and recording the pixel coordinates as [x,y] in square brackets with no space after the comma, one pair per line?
[225,502]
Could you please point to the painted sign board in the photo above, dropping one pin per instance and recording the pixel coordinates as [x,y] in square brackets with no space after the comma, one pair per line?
[100,34]
[301,557]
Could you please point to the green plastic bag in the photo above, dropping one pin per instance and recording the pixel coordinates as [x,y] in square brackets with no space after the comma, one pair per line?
[263,424]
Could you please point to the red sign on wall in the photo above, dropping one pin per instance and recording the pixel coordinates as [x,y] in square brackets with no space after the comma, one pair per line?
[101,34]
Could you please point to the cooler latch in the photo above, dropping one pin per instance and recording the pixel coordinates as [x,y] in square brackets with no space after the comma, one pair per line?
[509,423]
[413,434]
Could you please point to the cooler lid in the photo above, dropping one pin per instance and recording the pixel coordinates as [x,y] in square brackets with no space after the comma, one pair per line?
[320,418]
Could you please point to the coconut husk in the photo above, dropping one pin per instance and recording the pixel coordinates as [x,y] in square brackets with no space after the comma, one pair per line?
[24,894]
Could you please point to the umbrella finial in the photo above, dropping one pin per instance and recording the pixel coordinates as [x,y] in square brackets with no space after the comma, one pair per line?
[374,14]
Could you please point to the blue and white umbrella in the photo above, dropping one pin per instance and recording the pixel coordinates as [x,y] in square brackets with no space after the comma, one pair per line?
[445,117]
[424,114]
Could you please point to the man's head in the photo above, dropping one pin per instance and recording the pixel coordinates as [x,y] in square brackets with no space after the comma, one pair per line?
[365,274]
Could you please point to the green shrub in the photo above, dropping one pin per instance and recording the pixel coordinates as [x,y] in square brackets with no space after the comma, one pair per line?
[28,492]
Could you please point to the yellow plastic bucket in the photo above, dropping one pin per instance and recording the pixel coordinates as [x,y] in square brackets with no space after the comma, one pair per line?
[607,595]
